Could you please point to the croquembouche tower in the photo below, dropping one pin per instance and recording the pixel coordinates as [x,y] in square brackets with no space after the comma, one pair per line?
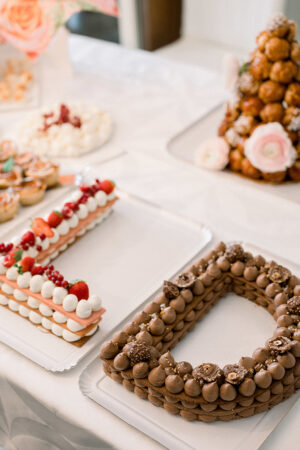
[259,136]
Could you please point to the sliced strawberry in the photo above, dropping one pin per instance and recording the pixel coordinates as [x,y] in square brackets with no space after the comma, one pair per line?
[28,238]
[54,219]
[80,289]
[40,226]
[37,270]
[107,186]
[12,257]
[26,264]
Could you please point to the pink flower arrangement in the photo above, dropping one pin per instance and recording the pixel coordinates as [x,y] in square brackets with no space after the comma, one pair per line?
[270,149]
[30,24]
[212,154]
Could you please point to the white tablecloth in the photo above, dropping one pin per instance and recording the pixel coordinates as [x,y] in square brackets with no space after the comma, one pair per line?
[150,99]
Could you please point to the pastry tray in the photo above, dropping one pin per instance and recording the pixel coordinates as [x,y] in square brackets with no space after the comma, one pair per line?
[183,145]
[124,260]
[212,340]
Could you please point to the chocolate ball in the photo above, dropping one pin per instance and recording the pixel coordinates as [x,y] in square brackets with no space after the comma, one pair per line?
[287,360]
[121,362]
[187,295]
[192,388]
[259,261]
[227,392]
[144,336]
[198,288]
[167,360]
[284,321]
[210,392]
[296,335]
[276,370]
[263,379]
[140,370]
[109,350]
[168,315]
[214,270]
[156,326]
[157,376]
[260,355]
[220,247]
[183,367]
[297,290]
[247,362]
[152,308]
[174,384]
[120,338]
[223,263]
[179,325]
[141,317]
[281,310]
[282,331]
[247,388]
[272,290]
[178,304]
[206,279]
[190,316]
[131,329]
[280,299]
[262,280]
[250,273]
[237,268]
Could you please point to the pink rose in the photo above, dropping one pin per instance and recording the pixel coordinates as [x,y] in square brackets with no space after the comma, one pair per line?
[270,149]
[24,24]
[212,154]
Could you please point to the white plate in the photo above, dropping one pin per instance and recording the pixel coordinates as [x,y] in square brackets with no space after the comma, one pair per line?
[124,260]
[210,341]
[183,145]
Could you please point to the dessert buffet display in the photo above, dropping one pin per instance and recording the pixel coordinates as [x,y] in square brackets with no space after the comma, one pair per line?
[65,130]
[25,176]
[139,358]
[259,136]
[32,288]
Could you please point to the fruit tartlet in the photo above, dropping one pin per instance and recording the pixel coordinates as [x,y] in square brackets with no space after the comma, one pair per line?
[25,159]
[9,204]
[31,287]
[47,171]
[31,191]
[8,149]
[9,174]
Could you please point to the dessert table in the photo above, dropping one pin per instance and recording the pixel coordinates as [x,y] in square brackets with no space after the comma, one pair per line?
[150,99]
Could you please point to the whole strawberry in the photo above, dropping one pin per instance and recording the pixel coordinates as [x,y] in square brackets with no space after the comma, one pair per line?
[80,289]
[54,219]
[13,257]
[40,226]
[107,186]
[26,264]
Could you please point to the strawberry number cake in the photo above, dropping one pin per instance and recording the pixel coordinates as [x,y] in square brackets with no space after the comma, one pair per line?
[32,288]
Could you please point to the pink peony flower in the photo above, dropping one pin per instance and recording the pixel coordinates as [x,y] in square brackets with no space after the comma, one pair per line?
[24,24]
[270,149]
[212,154]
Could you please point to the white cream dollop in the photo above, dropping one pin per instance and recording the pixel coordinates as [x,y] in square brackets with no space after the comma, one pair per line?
[14,306]
[63,228]
[32,251]
[91,204]
[55,237]
[70,302]
[7,288]
[57,330]
[74,326]
[95,302]
[59,293]
[35,317]
[45,310]
[3,269]
[47,289]
[70,337]
[23,281]
[20,295]
[24,311]
[33,303]
[73,221]
[46,323]
[12,273]
[59,317]
[3,300]
[36,283]
[82,211]
[101,198]
[84,309]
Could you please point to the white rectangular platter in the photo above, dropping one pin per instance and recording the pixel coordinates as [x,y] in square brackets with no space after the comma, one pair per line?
[233,319]
[124,260]
[183,145]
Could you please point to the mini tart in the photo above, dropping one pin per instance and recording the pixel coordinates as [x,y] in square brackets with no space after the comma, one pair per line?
[31,191]
[8,149]
[8,179]
[24,160]
[9,204]
[47,171]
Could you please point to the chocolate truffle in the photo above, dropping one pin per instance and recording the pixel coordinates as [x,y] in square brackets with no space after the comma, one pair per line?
[237,268]
[250,273]
[174,384]
[170,290]
[185,280]
[227,392]
[210,392]
[109,350]
[137,352]
[198,288]
[167,360]
[178,304]
[223,263]
[168,315]
[263,379]
[145,337]
[247,388]
[140,370]
[121,362]
[207,372]
[234,373]
[157,376]
[192,388]
[156,326]
[287,360]
[276,370]
[262,280]
[187,295]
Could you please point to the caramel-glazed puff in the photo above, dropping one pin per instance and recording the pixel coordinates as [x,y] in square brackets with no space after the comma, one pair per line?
[277,48]
[295,52]
[272,112]
[294,171]
[292,31]
[249,170]
[297,76]
[270,91]
[251,106]
[260,66]
[235,160]
[262,39]
[283,71]
[248,85]
[224,126]
[289,114]
[278,25]
[274,177]
[292,95]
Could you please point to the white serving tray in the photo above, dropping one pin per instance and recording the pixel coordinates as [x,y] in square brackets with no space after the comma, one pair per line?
[212,340]
[183,145]
[124,260]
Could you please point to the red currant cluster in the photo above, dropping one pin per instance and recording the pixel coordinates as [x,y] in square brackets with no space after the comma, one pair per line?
[27,240]
[5,248]
[53,275]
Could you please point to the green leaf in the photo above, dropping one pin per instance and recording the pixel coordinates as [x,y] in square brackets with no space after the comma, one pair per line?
[244,68]
[18,254]
[8,165]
